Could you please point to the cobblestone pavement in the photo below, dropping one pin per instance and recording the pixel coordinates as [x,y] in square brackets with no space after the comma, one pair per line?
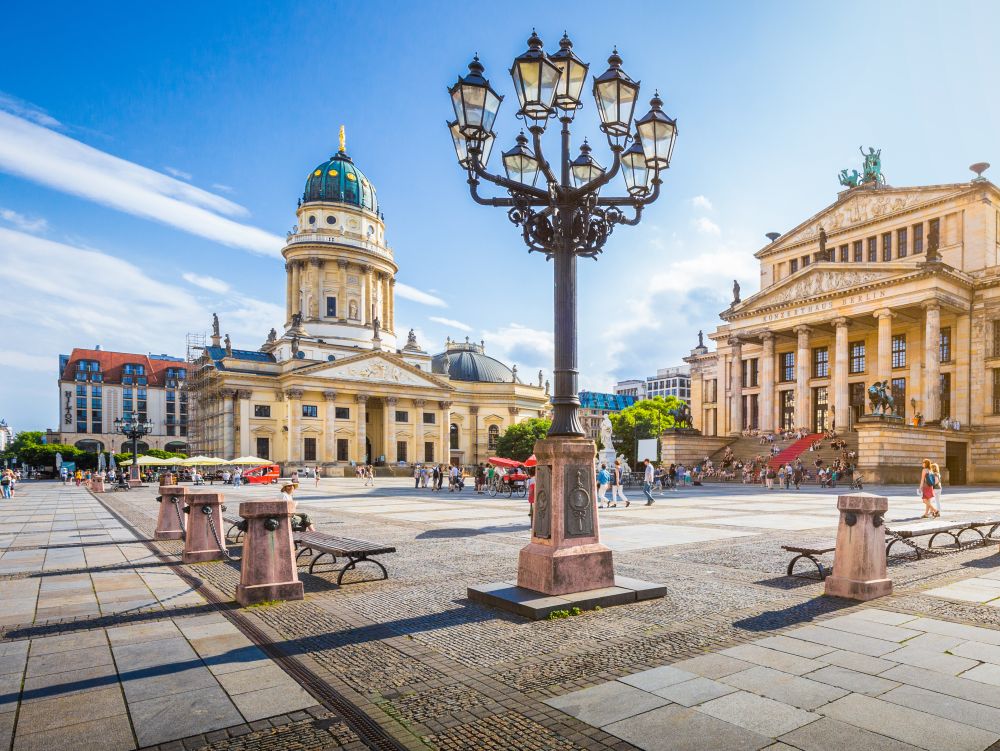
[434,670]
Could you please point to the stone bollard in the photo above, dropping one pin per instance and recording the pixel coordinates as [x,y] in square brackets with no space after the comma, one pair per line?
[204,541]
[97,485]
[859,560]
[171,520]
[267,569]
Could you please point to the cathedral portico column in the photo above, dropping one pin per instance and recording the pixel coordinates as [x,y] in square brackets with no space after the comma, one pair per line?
[736,385]
[330,429]
[722,416]
[445,432]
[960,386]
[342,305]
[316,272]
[390,429]
[932,362]
[296,287]
[802,377]
[360,429]
[841,400]
[391,318]
[294,416]
[884,372]
[288,291]
[366,295]
[228,429]
[244,396]
[767,384]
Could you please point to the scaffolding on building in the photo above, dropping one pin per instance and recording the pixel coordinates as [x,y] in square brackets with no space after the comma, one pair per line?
[202,391]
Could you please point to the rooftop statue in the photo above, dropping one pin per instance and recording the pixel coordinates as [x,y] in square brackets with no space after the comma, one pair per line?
[736,291]
[215,324]
[871,170]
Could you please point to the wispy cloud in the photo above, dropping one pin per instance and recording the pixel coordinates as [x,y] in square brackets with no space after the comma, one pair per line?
[28,111]
[206,282]
[62,163]
[22,222]
[451,323]
[516,344]
[222,188]
[24,361]
[179,173]
[706,226]
[701,202]
[416,295]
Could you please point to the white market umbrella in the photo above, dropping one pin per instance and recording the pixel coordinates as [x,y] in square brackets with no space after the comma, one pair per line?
[100,462]
[255,460]
[111,460]
[58,460]
[201,461]
[150,461]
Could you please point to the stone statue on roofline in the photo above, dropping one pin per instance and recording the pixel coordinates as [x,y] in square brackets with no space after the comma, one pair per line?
[736,292]
[229,346]
[272,335]
[215,324]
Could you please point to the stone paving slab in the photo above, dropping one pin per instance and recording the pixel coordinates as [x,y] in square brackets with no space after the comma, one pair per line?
[676,728]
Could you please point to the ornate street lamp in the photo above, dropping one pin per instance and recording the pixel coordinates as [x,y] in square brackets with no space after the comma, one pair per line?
[565,218]
[134,429]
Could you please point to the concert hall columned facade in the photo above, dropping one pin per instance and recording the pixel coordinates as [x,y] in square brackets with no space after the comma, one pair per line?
[886,284]
[337,387]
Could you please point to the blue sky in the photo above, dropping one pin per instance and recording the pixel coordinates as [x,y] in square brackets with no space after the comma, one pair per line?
[151,158]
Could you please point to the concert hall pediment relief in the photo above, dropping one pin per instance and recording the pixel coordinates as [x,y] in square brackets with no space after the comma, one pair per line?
[815,282]
[861,207]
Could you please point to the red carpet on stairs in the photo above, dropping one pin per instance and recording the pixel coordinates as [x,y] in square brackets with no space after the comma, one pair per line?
[793,452]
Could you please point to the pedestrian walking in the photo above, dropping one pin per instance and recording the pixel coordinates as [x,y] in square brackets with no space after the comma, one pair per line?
[937,488]
[617,477]
[926,488]
[647,482]
[603,480]
[416,477]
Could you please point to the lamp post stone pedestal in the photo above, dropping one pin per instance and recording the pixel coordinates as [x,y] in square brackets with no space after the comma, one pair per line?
[565,553]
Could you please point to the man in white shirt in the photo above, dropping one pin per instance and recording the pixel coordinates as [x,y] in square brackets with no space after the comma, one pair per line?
[647,482]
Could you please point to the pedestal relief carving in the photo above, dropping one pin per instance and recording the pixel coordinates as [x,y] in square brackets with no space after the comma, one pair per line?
[578,505]
[542,517]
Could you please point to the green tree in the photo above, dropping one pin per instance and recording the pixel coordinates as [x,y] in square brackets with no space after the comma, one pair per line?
[647,418]
[518,441]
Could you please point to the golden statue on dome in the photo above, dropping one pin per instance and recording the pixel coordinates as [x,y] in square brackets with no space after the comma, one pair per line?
[343,140]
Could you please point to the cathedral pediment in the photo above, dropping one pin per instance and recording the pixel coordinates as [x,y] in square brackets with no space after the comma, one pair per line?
[819,280]
[860,206]
[377,368]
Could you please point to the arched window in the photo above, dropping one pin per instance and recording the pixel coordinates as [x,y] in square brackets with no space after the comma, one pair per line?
[90,445]
[494,436]
[179,447]
[454,437]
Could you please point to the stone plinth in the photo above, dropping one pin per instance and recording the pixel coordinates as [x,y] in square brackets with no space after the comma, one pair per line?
[859,561]
[891,452]
[267,570]
[565,553]
[689,447]
[200,543]
[168,525]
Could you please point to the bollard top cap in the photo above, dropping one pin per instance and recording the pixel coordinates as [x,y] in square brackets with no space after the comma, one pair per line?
[863,502]
[250,509]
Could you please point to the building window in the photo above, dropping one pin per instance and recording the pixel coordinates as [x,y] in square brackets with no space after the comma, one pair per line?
[400,451]
[899,351]
[453,436]
[342,449]
[804,261]
[918,238]
[309,449]
[787,366]
[264,448]
[821,362]
[402,416]
[845,253]
[901,243]
[899,396]
[310,410]
[428,451]
[331,307]
[429,418]
[858,251]
[793,265]
[342,413]
[944,348]
[787,409]
[887,246]
[945,395]
[857,357]
[262,410]
[872,249]
[494,435]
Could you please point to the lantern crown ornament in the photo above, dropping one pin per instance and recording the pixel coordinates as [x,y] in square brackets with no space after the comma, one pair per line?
[535,78]
[475,102]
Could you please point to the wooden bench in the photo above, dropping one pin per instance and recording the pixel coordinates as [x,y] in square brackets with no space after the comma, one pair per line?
[320,544]
[809,553]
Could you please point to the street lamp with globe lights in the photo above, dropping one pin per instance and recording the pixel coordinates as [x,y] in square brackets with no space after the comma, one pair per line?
[565,217]
[134,429]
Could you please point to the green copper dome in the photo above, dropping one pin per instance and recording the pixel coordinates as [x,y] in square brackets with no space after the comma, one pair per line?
[337,180]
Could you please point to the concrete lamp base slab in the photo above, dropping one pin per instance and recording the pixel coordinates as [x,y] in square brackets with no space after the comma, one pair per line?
[537,605]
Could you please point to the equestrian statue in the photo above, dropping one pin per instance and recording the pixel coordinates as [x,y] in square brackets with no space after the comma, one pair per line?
[681,415]
[880,396]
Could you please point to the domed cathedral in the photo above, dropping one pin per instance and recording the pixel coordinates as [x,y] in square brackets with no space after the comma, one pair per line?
[336,388]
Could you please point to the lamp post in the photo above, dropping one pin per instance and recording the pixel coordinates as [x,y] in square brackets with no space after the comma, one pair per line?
[134,429]
[565,218]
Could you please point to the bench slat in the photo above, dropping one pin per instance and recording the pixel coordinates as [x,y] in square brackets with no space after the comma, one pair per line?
[340,545]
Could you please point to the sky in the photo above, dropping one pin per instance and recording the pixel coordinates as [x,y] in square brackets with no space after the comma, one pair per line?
[151,158]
